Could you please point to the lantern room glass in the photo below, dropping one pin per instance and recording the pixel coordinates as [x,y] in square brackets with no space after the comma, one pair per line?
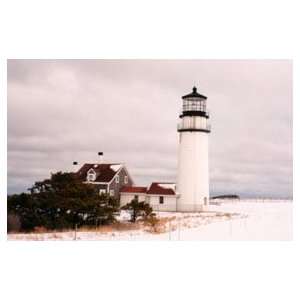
[194,105]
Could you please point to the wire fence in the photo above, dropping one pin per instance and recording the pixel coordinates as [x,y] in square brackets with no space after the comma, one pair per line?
[258,200]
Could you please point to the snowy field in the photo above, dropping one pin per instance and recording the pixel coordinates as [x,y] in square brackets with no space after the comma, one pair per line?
[248,220]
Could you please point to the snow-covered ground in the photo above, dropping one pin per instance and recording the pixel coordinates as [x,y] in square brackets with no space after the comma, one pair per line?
[230,220]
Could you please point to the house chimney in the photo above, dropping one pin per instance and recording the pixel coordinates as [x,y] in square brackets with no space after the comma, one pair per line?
[74,169]
[100,157]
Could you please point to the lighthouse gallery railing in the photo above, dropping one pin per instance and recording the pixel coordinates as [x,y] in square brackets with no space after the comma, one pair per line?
[194,127]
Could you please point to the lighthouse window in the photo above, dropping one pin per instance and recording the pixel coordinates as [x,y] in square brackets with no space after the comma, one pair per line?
[161,200]
[202,105]
[194,105]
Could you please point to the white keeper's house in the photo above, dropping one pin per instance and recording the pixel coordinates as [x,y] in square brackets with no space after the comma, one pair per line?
[191,191]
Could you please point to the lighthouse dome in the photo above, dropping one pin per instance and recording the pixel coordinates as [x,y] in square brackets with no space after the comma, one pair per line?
[194,94]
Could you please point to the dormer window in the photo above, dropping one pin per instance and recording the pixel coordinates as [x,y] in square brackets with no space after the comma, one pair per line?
[91,175]
[126,179]
[117,179]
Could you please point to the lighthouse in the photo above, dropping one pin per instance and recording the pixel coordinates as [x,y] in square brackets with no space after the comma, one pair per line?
[193,176]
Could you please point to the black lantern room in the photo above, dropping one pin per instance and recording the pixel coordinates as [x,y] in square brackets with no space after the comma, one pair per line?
[194,104]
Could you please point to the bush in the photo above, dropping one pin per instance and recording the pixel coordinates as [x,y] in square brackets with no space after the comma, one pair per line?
[61,202]
[138,209]
[154,224]
[40,229]
[13,223]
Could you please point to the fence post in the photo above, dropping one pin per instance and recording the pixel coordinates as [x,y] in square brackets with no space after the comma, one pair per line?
[75,237]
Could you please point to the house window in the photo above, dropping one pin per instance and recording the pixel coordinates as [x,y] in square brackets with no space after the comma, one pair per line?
[117,179]
[136,197]
[161,200]
[112,193]
[102,191]
[126,179]
[91,177]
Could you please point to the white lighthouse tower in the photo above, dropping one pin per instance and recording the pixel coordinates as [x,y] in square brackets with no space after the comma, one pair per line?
[193,177]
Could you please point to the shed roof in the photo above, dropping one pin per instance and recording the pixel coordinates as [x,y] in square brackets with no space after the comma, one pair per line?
[134,189]
[162,188]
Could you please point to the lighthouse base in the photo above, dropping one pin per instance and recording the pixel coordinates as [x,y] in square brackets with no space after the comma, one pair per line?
[192,207]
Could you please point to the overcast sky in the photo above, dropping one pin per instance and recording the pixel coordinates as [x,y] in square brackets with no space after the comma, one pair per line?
[60,111]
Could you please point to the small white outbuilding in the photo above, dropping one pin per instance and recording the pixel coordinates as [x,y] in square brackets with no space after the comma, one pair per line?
[160,196]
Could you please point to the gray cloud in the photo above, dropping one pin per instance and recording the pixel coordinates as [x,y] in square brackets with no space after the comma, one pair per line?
[65,110]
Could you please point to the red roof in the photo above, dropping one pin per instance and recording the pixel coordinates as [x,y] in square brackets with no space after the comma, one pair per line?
[104,172]
[156,188]
[161,188]
[133,189]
